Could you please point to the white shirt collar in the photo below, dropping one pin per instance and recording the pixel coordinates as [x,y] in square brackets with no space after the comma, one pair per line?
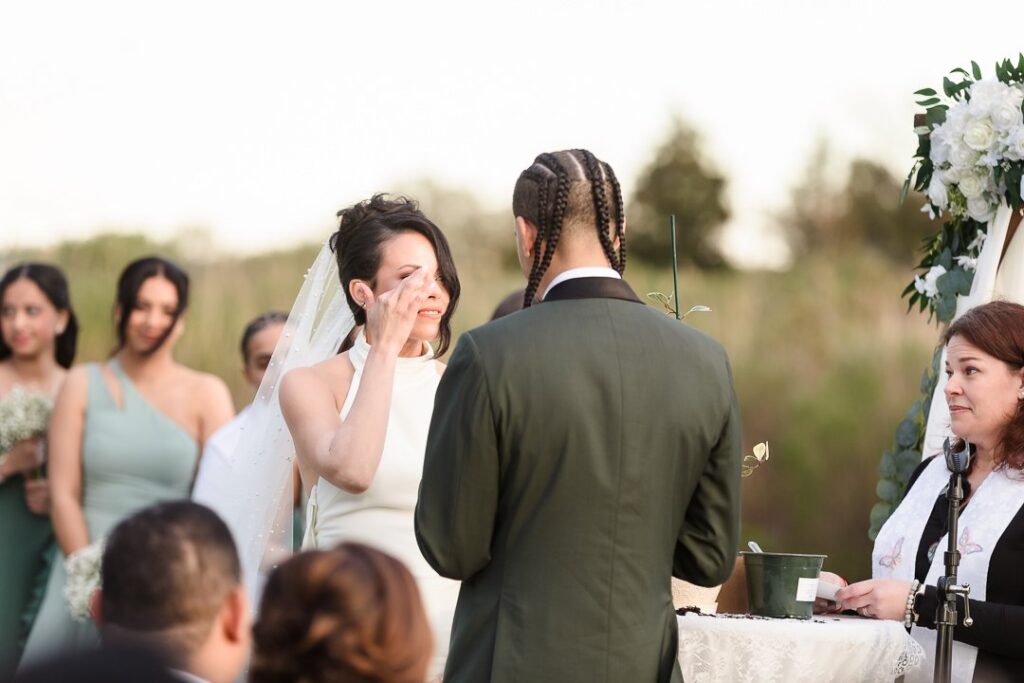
[588,271]
[186,677]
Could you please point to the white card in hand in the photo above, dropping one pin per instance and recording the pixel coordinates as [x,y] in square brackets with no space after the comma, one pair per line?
[827,590]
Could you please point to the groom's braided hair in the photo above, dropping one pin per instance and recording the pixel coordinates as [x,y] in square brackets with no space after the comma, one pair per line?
[561,192]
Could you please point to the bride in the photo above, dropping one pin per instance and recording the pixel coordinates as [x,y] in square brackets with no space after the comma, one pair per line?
[359,419]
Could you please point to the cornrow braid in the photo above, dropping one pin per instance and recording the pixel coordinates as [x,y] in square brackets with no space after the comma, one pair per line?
[620,222]
[542,223]
[554,231]
[601,214]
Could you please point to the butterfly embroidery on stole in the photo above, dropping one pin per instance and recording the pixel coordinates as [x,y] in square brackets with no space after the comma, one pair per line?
[893,559]
[966,545]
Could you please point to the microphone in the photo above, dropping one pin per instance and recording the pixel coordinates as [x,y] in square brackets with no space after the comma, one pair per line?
[959,461]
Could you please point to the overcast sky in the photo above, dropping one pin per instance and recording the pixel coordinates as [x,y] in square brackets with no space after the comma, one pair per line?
[259,120]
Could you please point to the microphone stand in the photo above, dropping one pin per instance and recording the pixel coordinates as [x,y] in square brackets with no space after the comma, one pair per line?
[946,612]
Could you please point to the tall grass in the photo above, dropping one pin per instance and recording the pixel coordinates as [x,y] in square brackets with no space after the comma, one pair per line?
[825,362]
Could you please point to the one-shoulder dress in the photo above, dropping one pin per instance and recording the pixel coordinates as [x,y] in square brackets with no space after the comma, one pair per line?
[133,456]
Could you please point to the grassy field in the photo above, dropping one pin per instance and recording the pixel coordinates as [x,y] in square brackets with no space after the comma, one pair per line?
[824,356]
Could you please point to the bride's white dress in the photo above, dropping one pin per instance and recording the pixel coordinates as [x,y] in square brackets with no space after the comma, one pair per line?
[382,516]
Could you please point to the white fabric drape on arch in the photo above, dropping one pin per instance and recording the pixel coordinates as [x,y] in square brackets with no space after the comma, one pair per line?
[992,281]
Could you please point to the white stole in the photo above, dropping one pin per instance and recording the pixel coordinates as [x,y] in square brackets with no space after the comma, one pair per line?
[982,523]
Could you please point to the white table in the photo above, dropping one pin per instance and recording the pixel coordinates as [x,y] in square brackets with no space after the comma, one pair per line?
[739,648]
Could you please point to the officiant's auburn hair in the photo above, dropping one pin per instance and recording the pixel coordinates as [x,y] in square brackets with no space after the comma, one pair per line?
[363,231]
[345,615]
[568,191]
[997,328]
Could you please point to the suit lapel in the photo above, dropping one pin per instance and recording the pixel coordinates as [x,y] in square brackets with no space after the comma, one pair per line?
[592,288]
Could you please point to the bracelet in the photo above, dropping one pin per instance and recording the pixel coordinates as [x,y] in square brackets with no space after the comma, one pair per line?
[908,613]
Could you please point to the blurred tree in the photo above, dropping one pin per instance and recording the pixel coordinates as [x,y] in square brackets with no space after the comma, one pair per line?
[874,211]
[810,222]
[827,216]
[681,181]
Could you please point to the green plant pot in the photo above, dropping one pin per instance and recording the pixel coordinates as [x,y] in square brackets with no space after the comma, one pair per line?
[782,584]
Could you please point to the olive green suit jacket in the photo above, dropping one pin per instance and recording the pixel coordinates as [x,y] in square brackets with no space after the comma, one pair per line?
[581,452]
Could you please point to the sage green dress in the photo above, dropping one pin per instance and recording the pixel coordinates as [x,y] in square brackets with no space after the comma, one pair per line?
[132,456]
[26,545]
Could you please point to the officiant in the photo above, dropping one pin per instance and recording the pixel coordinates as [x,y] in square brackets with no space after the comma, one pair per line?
[985,395]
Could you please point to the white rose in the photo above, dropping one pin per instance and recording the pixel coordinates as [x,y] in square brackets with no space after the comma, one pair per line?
[979,135]
[937,193]
[926,285]
[1015,144]
[940,149]
[986,93]
[971,186]
[957,117]
[962,156]
[1006,115]
[980,209]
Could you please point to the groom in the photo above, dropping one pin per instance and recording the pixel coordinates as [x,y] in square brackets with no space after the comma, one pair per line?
[581,452]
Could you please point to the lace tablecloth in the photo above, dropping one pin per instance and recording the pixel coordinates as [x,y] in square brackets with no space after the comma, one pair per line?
[737,649]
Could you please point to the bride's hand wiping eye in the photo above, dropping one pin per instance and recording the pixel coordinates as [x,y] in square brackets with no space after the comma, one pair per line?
[390,316]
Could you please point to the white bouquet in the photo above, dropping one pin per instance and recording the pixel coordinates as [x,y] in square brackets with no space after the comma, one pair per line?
[975,149]
[23,415]
[969,161]
[83,569]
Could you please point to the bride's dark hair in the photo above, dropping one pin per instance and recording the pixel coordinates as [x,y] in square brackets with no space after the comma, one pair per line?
[365,228]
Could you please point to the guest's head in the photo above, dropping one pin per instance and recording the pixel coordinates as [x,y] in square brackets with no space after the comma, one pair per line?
[36,317]
[509,305]
[568,210]
[348,615]
[258,343]
[383,240]
[152,295]
[172,581]
[985,391]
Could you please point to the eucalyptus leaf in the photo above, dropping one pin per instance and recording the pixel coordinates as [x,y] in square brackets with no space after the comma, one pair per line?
[976,69]
[889,491]
[906,463]
[926,381]
[926,92]
[945,309]
[907,433]
[945,259]
[887,466]
[879,513]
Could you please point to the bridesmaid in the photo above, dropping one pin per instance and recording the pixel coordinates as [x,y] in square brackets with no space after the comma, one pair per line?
[124,434]
[38,332]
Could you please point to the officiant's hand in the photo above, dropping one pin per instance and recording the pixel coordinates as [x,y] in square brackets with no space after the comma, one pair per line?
[876,598]
[823,606]
[390,317]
